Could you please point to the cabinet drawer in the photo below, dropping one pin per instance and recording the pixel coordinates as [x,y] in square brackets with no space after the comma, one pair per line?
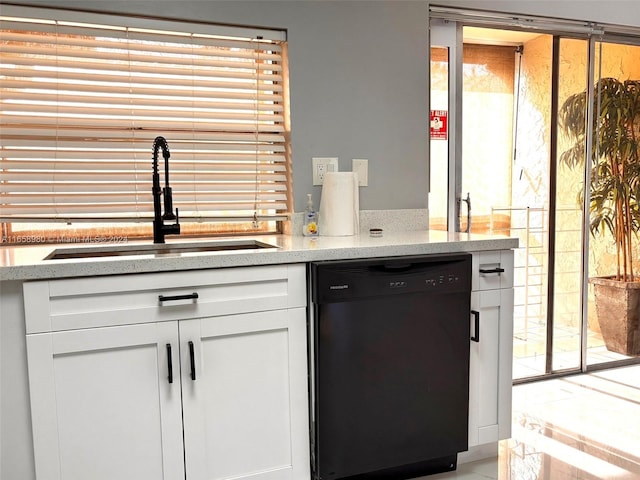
[67,304]
[492,270]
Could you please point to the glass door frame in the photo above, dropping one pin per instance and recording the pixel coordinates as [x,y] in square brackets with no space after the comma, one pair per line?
[448,34]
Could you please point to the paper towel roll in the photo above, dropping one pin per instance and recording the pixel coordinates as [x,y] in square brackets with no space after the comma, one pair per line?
[339,205]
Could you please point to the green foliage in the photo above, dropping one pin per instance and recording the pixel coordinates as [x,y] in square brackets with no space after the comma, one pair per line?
[615,168]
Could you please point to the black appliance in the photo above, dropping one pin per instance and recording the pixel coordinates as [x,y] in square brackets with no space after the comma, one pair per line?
[390,366]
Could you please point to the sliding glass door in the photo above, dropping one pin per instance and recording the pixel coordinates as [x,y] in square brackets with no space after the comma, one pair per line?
[504,156]
[613,336]
[570,75]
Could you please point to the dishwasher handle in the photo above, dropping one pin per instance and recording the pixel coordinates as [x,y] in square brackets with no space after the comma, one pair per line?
[395,267]
[476,318]
[416,266]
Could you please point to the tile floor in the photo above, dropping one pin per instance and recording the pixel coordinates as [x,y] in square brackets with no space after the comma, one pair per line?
[581,427]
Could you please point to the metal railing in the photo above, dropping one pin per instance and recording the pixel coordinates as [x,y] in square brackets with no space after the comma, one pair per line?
[530,226]
[531,269]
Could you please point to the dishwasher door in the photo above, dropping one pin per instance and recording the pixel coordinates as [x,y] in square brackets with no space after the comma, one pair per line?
[390,366]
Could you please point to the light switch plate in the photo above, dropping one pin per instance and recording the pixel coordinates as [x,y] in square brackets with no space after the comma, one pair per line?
[361,167]
[322,165]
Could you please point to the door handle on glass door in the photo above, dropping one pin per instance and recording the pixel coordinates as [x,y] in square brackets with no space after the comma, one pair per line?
[468,202]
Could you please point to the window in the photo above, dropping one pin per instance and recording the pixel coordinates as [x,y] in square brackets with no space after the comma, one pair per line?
[82,100]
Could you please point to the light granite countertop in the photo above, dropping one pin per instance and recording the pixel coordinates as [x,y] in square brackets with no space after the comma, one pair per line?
[28,262]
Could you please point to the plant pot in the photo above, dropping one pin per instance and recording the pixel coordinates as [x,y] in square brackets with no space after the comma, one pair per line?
[618,311]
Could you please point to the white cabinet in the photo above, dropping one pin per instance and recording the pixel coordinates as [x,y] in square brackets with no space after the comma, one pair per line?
[101,405]
[490,367]
[124,385]
[245,398]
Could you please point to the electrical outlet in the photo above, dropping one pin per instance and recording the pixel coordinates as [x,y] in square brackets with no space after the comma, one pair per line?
[322,165]
[361,167]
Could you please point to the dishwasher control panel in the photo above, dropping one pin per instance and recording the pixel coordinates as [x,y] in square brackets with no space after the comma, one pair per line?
[335,281]
[451,278]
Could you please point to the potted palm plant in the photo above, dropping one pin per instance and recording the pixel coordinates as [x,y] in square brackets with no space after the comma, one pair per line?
[615,193]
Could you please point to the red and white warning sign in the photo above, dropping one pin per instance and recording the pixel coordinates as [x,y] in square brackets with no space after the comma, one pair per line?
[438,124]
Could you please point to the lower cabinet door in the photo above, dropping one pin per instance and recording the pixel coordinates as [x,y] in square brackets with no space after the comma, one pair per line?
[244,382]
[103,407]
[490,367]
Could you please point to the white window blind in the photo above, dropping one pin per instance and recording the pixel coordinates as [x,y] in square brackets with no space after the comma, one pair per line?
[81,103]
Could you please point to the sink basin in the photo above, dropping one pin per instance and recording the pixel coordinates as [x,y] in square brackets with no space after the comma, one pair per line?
[157,250]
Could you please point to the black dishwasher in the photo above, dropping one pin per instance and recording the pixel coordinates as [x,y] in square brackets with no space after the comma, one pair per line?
[390,366]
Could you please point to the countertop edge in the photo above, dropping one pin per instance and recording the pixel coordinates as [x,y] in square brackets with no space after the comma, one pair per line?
[291,249]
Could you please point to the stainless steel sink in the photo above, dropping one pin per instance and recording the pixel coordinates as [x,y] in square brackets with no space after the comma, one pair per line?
[157,250]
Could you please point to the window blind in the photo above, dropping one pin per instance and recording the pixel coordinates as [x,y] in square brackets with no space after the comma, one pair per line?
[81,103]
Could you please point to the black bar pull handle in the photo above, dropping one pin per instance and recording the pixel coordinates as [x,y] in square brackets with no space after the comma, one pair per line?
[169,363]
[192,358]
[497,270]
[476,318]
[173,298]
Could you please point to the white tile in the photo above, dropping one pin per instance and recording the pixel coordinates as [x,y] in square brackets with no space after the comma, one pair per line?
[581,427]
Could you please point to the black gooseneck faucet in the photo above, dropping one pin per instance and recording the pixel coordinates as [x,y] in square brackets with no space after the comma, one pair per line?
[159,228]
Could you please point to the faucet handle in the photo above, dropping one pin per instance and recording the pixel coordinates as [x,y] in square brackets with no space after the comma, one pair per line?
[174,228]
